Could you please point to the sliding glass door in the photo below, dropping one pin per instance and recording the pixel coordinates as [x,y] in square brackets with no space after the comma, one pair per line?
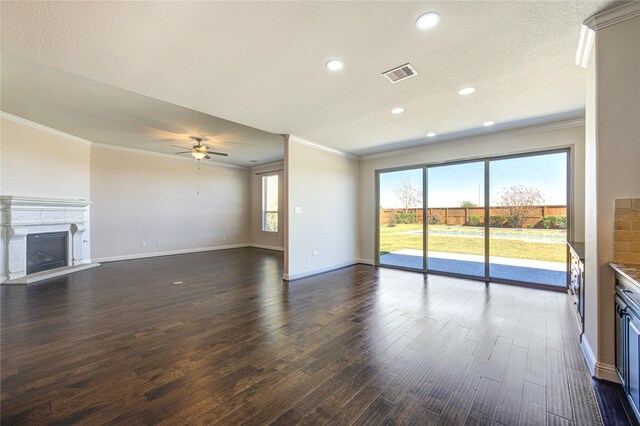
[529,219]
[501,219]
[456,235]
[401,218]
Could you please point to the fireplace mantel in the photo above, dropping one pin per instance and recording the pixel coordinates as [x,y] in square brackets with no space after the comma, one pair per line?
[22,216]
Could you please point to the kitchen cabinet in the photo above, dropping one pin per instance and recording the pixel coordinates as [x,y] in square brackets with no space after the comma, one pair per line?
[627,334]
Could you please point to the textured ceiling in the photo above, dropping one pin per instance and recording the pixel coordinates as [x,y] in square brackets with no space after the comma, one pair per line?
[262,63]
[105,114]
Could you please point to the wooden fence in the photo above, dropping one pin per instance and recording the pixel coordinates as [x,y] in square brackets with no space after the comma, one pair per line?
[460,215]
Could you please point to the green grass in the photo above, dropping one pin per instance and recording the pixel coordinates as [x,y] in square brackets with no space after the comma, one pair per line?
[392,240]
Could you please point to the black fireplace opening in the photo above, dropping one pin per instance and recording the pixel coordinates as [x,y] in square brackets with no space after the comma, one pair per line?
[46,251]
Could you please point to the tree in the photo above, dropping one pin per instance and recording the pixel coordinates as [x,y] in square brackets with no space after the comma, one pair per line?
[409,195]
[467,203]
[519,202]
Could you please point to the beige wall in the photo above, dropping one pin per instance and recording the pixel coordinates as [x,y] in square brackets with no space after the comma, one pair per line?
[325,186]
[37,163]
[143,197]
[136,196]
[612,170]
[258,236]
[478,147]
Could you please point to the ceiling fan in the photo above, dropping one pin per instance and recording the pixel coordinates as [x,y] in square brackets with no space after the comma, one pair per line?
[199,151]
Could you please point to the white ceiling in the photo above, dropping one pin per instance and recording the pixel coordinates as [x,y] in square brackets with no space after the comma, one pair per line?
[262,63]
[105,114]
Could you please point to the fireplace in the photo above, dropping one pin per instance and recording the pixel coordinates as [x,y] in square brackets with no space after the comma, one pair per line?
[42,238]
[46,251]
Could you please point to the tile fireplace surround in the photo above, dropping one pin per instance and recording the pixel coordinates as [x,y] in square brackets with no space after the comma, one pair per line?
[22,216]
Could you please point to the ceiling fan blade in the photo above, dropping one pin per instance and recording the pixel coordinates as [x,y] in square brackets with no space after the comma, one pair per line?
[181,147]
[218,153]
[185,152]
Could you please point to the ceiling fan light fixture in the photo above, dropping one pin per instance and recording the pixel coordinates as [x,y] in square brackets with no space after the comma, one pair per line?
[198,155]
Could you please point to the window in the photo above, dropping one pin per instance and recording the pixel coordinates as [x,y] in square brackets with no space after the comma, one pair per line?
[270,203]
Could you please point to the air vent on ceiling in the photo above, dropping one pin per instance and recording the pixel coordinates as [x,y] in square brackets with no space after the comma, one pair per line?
[400,73]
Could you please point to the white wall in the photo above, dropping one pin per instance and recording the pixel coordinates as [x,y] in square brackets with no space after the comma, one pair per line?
[37,163]
[144,197]
[325,186]
[612,170]
[260,238]
[469,148]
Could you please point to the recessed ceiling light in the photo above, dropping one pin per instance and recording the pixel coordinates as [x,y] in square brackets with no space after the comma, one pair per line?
[427,20]
[488,123]
[466,91]
[431,134]
[335,65]
[397,110]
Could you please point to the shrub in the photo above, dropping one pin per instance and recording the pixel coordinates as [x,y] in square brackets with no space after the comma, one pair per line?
[436,220]
[518,203]
[497,221]
[474,221]
[405,218]
[553,222]
[515,221]
[392,221]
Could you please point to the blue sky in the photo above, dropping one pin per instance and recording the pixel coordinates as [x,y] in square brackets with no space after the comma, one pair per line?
[450,185]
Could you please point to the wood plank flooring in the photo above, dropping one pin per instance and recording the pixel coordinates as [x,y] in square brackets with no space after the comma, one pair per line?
[233,344]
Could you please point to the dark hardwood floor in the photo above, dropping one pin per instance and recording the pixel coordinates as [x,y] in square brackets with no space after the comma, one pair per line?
[231,344]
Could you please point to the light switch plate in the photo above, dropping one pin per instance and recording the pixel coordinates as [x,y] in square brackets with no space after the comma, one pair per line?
[297,210]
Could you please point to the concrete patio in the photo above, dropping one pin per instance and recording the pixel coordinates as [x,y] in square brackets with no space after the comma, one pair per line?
[532,271]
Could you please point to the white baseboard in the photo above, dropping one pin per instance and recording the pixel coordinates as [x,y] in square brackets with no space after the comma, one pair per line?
[598,369]
[311,272]
[167,253]
[262,246]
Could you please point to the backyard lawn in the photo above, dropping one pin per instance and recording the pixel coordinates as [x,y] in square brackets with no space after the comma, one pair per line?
[469,240]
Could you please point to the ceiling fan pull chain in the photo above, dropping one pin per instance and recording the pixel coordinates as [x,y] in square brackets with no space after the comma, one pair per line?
[198,179]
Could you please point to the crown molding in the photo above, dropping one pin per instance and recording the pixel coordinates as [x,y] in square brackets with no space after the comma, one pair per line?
[162,154]
[43,128]
[324,148]
[558,125]
[267,165]
[585,43]
[613,16]
[68,136]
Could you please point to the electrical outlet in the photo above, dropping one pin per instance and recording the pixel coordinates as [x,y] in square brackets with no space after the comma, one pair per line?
[143,244]
[315,253]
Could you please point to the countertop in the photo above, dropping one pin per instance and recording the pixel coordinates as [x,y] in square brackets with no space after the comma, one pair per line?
[578,248]
[629,270]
